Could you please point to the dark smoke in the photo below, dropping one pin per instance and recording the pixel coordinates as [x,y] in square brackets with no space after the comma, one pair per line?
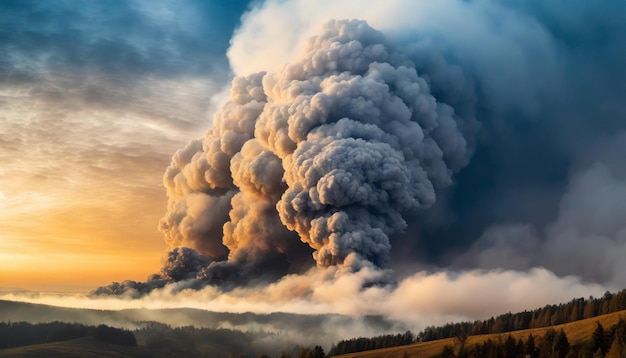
[331,151]
[364,135]
[335,147]
[545,168]
[181,263]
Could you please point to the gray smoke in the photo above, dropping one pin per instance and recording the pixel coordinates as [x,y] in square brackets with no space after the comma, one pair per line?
[180,264]
[335,147]
[587,239]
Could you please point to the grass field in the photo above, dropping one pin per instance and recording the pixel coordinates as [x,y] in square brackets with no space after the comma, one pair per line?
[82,347]
[576,331]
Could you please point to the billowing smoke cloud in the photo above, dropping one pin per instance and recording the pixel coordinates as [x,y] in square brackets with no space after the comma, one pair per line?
[460,142]
[549,89]
[334,147]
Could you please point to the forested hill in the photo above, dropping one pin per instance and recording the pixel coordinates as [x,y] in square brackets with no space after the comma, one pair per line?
[15,334]
[549,315]
[602,336]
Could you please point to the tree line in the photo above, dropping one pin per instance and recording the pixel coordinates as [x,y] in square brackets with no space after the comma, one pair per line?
[301,352]
[189,340]
[549,315]
[361,344]
[17,334]
[602,344]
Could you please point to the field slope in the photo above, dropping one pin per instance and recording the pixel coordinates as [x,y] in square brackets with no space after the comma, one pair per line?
[576,332]
[83,347]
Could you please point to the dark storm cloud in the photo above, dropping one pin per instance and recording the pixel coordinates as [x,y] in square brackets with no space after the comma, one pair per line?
[587,239]
[538,129]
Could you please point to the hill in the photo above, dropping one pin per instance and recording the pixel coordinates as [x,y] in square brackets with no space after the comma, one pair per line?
[576,332]
[87,347]
[310,326]
[193,330]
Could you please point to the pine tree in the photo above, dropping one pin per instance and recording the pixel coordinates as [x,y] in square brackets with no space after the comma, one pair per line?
[546,345]
[620,331]
[617,349]
[519,350]
[318,352]
[561,345]
[530,348]
[448,352]
[599,340]
[510,347]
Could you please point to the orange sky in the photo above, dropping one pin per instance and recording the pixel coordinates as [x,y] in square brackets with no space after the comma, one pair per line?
[95,98]
[81,190]
[64,239]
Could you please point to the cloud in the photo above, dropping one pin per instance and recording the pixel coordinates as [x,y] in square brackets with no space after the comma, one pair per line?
[336,146]
[113,81]
[95,98]
[587,238]
[418,301]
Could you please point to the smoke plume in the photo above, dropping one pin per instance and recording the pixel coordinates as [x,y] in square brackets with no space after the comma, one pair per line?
[474,142]
[331,150]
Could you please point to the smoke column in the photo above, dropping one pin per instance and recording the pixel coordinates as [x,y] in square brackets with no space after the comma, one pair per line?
[331,150]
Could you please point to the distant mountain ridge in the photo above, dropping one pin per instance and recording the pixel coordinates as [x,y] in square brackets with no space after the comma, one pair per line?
[128,318]
[285,327]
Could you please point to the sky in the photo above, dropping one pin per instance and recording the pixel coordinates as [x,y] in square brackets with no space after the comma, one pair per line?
[303,156]
[96,98]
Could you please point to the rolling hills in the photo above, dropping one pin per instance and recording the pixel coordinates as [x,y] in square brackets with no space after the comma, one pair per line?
[196,333]
[576,332]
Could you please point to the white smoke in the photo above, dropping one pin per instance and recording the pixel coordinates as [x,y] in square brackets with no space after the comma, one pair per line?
[499,44]
[418,301]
